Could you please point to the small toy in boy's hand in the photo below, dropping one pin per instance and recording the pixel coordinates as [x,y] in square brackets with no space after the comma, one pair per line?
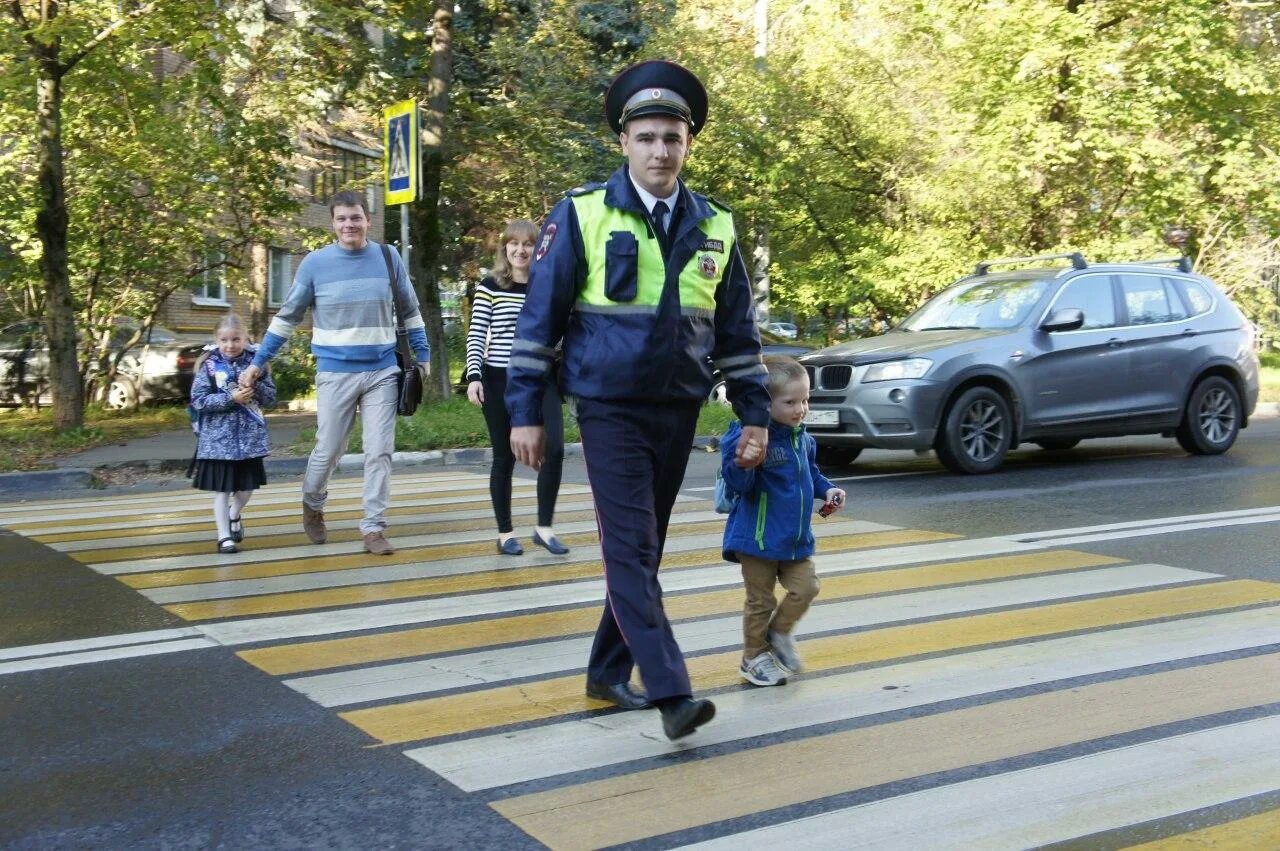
[830,506]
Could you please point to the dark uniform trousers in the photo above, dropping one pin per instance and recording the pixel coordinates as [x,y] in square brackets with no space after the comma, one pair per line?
[636,453]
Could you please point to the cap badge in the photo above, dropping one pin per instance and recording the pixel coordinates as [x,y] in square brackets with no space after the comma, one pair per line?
[656,94]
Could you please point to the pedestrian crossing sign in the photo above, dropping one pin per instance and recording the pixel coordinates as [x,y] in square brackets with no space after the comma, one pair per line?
[400,153]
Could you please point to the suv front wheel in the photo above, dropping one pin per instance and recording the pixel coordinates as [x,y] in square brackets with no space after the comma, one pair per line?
[1212,417]
[976,433]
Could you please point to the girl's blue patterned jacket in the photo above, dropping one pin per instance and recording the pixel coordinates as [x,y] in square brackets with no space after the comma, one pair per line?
[227,431]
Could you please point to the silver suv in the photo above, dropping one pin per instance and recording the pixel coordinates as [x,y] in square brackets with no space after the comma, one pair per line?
[1049,356]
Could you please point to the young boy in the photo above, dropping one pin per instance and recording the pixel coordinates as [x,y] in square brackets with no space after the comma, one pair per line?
[768,530]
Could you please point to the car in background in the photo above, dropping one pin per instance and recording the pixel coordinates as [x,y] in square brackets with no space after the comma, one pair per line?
[158,367]
[786,330]
[1049,356]
[770,344]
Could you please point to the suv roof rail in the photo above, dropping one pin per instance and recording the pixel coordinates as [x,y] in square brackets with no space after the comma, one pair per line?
[1076,258]
[1182,261]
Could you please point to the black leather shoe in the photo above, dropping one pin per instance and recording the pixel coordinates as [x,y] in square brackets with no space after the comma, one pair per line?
[510,547]
[682,716]
[621,695]
[552,544]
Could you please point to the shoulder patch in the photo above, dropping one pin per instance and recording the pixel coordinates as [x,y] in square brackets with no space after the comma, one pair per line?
[722,206]
[584,189]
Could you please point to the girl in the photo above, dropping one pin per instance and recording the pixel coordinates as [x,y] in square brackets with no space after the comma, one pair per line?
[493,328]
[232,431]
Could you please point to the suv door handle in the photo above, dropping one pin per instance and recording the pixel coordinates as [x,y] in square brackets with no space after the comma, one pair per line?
[1189,332]
[1115,343]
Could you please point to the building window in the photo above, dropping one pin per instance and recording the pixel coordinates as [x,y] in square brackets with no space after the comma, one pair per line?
[210,287]
[279,276]
[340,168]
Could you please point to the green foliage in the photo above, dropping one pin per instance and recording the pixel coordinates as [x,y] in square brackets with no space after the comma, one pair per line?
[294,368]
[456,424]
[885,147]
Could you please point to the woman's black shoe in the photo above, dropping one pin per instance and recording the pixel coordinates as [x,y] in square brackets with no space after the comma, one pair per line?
[552,544]
[510,547]
[227,545]
[237,529]
[621,695]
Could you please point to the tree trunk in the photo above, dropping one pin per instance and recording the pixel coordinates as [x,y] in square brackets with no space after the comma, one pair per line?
[259,289]
[424,218]
[51,227]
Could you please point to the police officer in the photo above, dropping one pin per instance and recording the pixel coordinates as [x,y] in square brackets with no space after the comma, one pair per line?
[643,281]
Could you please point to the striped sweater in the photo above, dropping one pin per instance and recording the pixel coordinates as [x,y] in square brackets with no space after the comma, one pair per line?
[353,318]
[493,325]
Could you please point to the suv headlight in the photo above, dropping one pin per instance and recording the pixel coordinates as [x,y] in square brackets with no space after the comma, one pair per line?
[897,369]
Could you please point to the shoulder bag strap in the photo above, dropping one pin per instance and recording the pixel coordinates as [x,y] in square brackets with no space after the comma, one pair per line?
[402,336]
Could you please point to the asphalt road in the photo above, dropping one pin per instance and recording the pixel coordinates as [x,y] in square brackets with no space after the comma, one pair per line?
[241,712]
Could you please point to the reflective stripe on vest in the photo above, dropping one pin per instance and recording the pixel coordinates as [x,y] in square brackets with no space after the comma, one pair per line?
[698,279]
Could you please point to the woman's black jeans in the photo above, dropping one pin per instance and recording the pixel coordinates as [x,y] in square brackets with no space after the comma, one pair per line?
[494,379]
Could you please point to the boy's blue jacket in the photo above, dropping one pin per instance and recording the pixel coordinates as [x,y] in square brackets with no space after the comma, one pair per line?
[771,517]
[227,431]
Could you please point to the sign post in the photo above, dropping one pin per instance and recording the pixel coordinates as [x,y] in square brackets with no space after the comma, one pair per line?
[400,163]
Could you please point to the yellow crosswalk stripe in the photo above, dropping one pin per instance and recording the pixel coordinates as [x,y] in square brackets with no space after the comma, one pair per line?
[1259,832]
[476,710]
[622,809]
[403,644]
[487,581]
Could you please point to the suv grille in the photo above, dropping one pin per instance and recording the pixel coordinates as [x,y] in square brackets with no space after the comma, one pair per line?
[833,377]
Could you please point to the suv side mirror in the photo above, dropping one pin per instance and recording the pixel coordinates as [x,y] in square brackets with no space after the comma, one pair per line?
[1063,319]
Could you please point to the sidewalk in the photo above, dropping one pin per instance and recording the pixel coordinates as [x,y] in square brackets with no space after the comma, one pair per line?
[167,455]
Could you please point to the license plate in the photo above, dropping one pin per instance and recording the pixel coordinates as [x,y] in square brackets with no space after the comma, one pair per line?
[822,418]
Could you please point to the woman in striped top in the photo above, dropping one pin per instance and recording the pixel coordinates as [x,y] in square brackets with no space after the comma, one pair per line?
[494,312]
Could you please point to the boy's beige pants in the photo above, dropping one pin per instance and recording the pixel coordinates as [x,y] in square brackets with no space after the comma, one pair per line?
[758,616]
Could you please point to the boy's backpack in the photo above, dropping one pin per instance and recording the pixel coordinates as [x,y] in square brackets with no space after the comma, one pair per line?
[726,497]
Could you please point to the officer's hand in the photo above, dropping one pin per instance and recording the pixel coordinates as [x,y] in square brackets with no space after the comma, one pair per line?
[526,444]
[836,497]
[475,393]
[249,376]
[752,447]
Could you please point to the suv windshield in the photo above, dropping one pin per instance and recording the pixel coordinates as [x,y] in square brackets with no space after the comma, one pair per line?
[978,304]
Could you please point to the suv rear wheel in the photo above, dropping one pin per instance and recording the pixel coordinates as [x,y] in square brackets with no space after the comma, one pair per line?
[976,432]
[1211,420]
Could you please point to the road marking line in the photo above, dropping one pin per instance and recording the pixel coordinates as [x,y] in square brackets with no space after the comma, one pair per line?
[662,800]
[442,716]
[423,580]
[76,645]
[1055,802]
[110,654]
[1251,832]
[489,665]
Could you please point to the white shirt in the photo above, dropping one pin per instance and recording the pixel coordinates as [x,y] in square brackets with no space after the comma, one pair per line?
[649,199]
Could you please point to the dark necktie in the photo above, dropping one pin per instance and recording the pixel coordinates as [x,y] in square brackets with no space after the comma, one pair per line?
[659,224]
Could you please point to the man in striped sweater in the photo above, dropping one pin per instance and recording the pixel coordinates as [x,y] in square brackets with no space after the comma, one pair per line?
[348,289]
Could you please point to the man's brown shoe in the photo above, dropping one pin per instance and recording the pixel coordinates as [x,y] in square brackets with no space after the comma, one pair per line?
[313,524]
[377,543]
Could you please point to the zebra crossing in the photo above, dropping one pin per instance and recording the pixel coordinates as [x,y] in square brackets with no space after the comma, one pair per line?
[960,692]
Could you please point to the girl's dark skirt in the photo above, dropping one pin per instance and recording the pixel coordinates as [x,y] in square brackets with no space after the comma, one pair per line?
[227,476]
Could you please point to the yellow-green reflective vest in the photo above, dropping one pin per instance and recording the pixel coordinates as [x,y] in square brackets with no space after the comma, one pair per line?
[609,256]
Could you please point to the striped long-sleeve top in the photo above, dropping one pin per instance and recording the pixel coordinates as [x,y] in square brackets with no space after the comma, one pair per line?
[493,325]
[353,321]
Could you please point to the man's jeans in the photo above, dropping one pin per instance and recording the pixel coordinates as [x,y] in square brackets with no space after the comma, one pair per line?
[338,394]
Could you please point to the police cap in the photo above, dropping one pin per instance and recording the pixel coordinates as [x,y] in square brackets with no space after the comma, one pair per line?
[656,87]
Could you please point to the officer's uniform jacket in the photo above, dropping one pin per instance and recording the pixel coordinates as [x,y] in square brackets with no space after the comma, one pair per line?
[633,327]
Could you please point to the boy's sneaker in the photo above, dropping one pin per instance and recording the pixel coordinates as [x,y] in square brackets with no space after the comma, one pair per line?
[784,647]
[763,671]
